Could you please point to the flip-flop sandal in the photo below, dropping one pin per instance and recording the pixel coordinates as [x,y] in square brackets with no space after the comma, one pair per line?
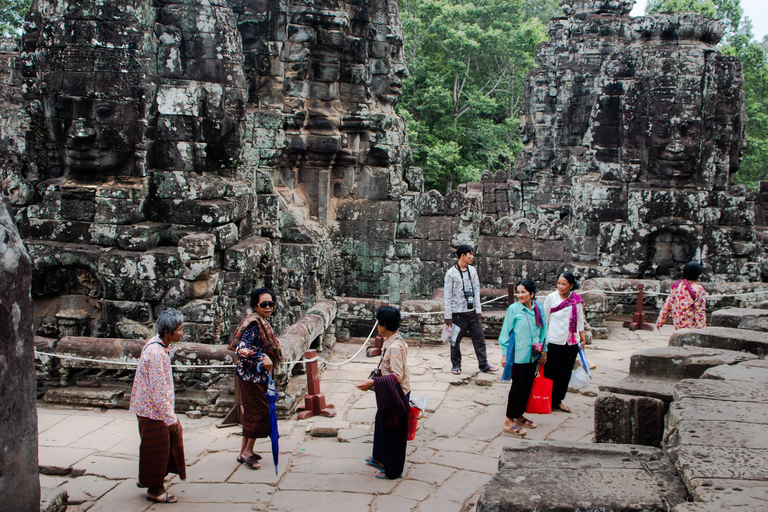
[525,422]
[371,462]
[163,498]
[515,430]
[242,460]
[383,476]
[252,462]
[456,371]
[563,408]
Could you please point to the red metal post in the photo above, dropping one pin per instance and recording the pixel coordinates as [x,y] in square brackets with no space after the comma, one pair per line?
[314,400]
[638,319]
[510,293]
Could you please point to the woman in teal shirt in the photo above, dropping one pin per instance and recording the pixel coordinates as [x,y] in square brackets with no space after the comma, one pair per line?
[523,338]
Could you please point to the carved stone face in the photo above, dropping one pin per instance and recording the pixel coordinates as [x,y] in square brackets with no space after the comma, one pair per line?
[675,145]
[95,135]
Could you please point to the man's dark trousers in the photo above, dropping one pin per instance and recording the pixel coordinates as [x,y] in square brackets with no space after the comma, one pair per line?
[469,324]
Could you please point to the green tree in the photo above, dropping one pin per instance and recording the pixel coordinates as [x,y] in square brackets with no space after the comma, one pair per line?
[468,62]
[12,14]
[740,42]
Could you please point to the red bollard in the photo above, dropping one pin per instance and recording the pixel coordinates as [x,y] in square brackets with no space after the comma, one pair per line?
[638,319]
[511,293]
[314,400]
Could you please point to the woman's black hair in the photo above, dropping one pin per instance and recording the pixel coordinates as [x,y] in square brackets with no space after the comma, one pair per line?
[528,285]
[258,292]
[389,317]
[692,270]
[570,278]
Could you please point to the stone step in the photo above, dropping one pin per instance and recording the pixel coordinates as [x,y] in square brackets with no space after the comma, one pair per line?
[741,318]
[681,362]
[749,371]
[635,386]
[626,419]
[550,475]
[727,338]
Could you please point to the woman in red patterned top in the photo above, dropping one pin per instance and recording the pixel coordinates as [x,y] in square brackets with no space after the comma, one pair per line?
[686,301]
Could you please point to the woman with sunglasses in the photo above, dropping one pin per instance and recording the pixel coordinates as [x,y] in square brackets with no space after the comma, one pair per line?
[254,342]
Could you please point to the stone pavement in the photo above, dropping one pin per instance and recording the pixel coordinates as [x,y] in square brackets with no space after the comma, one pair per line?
[454,455]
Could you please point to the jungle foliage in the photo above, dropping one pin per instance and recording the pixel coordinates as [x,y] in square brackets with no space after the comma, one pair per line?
[468,62]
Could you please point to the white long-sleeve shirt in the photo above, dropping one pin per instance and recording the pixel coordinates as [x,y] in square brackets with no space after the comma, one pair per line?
[558,323]
[453,291]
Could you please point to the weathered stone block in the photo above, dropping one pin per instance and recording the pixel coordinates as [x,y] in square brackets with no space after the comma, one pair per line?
[626,419]
[722,338]
[684,362]
[532,476]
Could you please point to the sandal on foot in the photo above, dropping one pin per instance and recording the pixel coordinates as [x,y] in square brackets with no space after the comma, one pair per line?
[372,462]
[382,475]
[252,462]
[525,422]
[456,371]
[242,460]
[515,430]
[163,498]
[563,407]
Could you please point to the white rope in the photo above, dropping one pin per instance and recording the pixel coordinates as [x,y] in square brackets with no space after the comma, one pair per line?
[318,358]
[427,313]
[659,294]
[129,363]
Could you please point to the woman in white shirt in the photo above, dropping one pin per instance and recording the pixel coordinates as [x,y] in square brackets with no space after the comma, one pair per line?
[564,310]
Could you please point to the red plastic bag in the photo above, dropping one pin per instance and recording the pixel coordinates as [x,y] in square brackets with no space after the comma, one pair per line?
[540,399]
[413,422]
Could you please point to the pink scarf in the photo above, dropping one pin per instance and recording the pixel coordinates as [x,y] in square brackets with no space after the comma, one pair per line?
[688,287]
[573,300]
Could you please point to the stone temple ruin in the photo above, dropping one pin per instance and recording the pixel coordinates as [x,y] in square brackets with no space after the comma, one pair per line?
[165,154]
[171,154]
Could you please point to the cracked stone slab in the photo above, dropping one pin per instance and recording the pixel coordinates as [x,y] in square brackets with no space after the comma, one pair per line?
[654,388]
[714,410]
[737,391]
[541,476]
[736,435]
[681,362]
[726,338]
[717,462]
[745,372]
[741,318]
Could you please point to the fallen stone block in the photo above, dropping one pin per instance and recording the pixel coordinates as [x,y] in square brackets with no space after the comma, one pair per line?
[741,318]
[715,410]
[75,395]
[737,391]
[654,388]
[554,476]
[681,362]
[725,338]
[737,372]
[626,419]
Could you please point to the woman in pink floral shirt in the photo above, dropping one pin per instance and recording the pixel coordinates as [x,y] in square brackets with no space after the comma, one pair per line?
[161,450]
[687,301]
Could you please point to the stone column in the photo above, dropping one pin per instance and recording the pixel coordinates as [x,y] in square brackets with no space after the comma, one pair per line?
[19,480]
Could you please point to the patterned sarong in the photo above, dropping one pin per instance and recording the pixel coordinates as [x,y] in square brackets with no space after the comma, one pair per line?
[160,453]
[255,412]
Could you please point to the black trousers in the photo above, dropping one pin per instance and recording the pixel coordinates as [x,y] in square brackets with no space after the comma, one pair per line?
[522,382]
[389,443]
[560,359]
[469,324]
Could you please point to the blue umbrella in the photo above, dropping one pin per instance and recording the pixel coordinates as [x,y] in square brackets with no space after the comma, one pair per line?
[584,362]
[274,435]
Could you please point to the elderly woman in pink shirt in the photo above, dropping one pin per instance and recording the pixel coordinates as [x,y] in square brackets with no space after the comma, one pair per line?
[161,450]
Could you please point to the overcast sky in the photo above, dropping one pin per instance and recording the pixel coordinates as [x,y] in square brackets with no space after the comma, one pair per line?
[757,10]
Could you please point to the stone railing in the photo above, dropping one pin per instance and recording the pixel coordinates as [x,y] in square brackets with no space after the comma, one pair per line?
[102,369]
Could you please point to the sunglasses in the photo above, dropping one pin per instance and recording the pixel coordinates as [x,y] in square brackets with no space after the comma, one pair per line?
[265,305]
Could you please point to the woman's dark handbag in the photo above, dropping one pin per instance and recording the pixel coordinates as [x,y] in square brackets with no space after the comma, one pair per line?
[376,372]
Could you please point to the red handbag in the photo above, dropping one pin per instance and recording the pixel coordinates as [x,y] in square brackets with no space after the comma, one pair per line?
[540,399]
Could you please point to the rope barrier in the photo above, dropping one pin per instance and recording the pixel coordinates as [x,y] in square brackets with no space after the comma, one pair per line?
[660,294]
[318,358]
[427,313]
[129,363]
